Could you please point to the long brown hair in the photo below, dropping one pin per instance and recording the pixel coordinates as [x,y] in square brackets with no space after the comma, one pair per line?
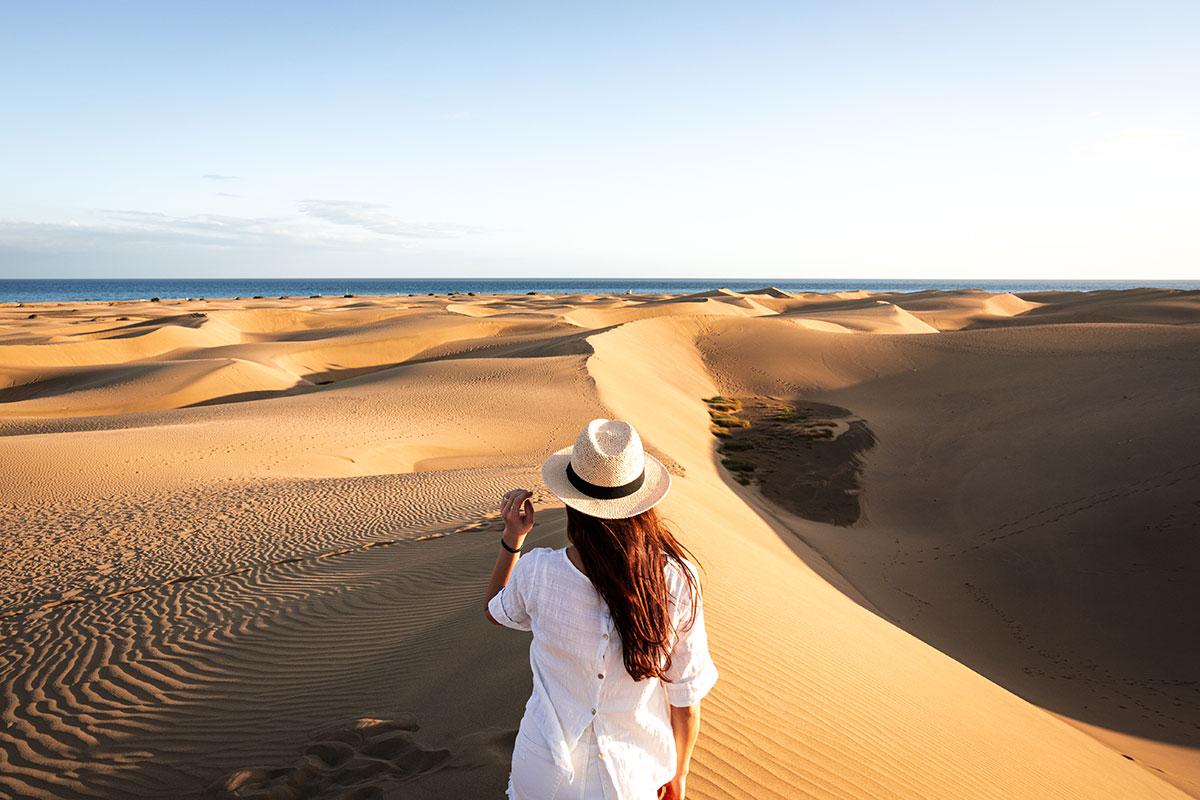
[626,560]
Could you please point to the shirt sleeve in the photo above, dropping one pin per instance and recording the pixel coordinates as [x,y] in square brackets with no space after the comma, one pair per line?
[692,673]
[510,606]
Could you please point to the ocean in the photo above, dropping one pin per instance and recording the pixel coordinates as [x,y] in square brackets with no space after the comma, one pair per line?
[53,290]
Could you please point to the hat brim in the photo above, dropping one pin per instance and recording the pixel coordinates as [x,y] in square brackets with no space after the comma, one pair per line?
[653,489]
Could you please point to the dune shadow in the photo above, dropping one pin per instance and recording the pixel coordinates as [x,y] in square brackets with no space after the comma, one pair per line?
[1023,660]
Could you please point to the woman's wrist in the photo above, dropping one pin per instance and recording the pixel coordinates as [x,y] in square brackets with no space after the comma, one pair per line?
[513,539]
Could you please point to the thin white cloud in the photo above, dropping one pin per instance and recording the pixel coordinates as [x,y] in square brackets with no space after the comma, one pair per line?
[227,194]
[345,225]
[142,230]
[212,177]
[373,217]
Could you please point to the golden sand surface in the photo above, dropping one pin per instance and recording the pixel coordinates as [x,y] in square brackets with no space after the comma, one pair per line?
[244,543]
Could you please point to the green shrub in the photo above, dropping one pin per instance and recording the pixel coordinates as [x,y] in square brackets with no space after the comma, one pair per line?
[717,430]
[737,446]
[739,465]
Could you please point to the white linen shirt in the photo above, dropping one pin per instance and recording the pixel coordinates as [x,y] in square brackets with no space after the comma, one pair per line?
[579,677]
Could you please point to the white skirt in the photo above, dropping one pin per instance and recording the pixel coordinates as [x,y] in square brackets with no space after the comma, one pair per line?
[534,775]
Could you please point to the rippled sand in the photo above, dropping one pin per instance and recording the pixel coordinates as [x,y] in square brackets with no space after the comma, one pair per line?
[244,543]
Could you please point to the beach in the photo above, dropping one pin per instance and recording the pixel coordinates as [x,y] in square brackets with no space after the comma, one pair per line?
[947,537]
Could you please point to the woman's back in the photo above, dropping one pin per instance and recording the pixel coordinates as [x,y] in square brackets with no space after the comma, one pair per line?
[579,676]
[619,653]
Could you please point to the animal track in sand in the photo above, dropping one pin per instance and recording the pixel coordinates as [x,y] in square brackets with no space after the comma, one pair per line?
[1047,516]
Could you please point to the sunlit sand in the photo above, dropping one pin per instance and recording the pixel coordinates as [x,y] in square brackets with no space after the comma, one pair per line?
[245,543]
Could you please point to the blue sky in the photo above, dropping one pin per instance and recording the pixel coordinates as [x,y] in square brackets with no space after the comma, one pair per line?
[851,139]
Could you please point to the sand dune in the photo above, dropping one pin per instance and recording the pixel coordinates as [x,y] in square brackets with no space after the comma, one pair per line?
[244,542]
[878,318]
[121,344]
[145,386]
[1150,306]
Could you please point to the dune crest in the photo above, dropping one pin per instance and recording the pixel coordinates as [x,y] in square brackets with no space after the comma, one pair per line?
[945,759]
[244,542]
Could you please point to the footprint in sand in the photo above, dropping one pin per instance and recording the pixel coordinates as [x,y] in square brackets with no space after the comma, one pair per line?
[367,758]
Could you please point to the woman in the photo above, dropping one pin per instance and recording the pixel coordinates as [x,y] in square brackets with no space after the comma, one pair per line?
[619,654]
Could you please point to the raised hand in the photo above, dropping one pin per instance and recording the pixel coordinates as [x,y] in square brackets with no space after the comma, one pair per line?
[517,510]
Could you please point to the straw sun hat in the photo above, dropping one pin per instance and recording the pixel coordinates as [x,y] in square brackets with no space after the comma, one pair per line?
[606,473]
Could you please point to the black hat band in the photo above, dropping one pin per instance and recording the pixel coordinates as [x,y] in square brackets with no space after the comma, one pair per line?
[604,492]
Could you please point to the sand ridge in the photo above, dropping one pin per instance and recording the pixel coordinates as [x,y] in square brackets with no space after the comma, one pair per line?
[244,540]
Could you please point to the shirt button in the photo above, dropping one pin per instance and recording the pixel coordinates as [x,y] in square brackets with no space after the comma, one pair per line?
[593,711]
[601,755]
[605,636]
[600,675]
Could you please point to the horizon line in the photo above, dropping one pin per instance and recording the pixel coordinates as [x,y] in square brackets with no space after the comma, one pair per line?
[597,278]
